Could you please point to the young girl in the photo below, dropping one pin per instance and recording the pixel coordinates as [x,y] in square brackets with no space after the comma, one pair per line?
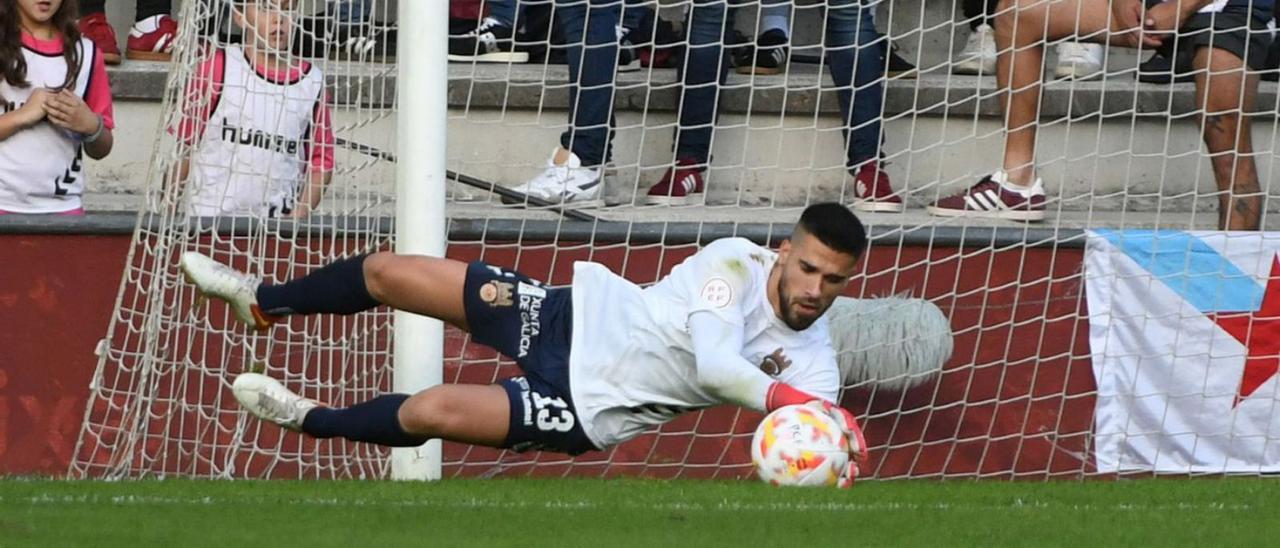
[55,104]
[258,122]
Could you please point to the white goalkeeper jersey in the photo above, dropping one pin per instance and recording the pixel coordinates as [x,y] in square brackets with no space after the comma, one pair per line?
[253,153]
[631,364]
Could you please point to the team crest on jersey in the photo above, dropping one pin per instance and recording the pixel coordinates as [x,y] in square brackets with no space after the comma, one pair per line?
[774,364]
[495,293]
[717,292]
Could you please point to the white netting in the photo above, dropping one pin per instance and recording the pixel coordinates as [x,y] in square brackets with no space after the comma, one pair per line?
[1016,398]
[160,402]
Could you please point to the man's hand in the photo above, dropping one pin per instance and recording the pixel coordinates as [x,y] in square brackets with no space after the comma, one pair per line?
[849,427]
[1163,20]
[68,111]
[1127,15]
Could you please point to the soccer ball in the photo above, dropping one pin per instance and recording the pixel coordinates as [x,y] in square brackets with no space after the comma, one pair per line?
[799,445]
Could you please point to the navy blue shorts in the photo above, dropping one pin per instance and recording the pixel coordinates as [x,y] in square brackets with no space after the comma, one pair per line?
[533,325]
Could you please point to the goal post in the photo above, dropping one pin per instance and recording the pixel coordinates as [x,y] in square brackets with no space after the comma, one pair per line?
[422,87]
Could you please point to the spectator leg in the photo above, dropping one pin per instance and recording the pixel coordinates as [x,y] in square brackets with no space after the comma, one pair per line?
[1022,27]
[703,72]
[775,15]
[503,10]
[634,13]
[90,7]
[855,56]
[591,76]
[148,8]
[1226,93]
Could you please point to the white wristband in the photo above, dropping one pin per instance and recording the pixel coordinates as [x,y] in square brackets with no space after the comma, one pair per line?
[93,138]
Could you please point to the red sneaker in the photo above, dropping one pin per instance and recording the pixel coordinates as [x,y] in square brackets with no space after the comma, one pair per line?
[152,39]
[872,191]
[679,184]
[96,28]
[990,199]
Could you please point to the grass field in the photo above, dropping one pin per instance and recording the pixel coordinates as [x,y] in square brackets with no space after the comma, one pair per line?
[613,513]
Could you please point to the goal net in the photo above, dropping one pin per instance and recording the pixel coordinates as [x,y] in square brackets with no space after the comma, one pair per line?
[968,346]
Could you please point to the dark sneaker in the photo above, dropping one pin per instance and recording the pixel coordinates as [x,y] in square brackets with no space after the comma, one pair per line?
[1160,70]
[96,28]
[679,185]
[319,37]
[897,66]
[361,42]
[990,199]
[628,53]
[664,49]
[491,42]
[1272,71]
[768,57]
[872,191]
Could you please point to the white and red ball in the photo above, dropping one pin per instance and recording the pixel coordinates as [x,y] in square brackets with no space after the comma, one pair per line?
[799,445]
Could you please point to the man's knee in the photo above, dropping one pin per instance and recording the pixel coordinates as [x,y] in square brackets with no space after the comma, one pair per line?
[1027,17]
[378,269]
[1227,143]
[1225,79]
[429,413]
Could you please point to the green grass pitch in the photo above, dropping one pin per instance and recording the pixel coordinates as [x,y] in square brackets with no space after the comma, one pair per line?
[614,513]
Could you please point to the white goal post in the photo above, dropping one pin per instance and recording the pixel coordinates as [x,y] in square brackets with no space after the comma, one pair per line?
[422,140]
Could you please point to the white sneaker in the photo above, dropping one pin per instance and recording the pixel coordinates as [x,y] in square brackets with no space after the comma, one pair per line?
[568,184]
[1079,61]
[979,53]
[237,289]
[267,399]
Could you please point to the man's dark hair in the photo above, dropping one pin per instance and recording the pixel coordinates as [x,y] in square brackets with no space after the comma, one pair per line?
[834,225]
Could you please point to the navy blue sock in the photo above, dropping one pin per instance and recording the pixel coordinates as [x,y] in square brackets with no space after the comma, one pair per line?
[375,421]
[338,288]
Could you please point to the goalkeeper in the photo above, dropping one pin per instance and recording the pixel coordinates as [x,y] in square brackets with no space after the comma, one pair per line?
[603,359]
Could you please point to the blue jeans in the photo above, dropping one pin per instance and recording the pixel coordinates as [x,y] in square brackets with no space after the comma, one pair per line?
[703,72]
[507,11]
[351,11]
[855,57]
[856,53]
[591,72]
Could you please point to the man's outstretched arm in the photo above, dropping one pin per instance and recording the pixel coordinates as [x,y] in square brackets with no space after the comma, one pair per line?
[717,348]
[722,371]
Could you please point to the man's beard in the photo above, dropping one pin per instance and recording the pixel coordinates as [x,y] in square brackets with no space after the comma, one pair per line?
[788,309]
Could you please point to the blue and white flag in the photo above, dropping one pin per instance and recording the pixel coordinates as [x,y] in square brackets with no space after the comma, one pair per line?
[1184,330]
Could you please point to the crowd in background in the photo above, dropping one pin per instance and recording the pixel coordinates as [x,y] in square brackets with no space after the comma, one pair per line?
[1224,46]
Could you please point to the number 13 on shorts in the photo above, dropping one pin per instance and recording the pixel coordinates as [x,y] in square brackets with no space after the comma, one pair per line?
[552,414]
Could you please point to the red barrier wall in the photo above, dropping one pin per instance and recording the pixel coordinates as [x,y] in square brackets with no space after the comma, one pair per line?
[1016,399]
[56,296]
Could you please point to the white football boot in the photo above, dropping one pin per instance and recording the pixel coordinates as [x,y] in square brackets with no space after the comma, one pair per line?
[237,289]
[267,399]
